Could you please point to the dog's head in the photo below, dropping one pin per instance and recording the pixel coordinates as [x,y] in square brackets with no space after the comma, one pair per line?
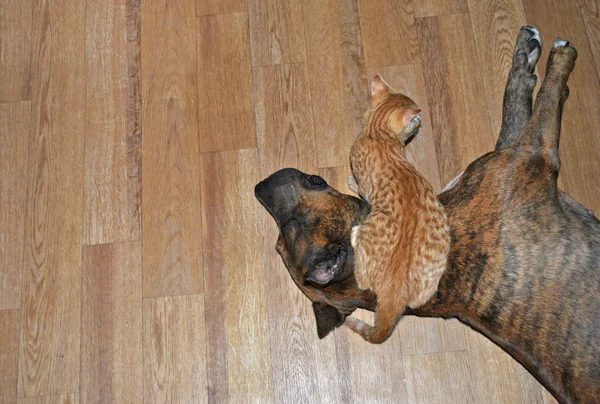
[314,223]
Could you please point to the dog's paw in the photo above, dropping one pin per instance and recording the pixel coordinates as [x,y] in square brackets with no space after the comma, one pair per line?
[563,54]
[529,47]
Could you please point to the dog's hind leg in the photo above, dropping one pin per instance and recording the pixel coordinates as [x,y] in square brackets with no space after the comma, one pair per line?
[543,130]
[516,109]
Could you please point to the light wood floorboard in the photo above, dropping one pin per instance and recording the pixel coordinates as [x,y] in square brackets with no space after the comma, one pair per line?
[136,264]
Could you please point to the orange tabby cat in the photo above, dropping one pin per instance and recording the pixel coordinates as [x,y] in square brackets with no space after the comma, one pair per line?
[402,246]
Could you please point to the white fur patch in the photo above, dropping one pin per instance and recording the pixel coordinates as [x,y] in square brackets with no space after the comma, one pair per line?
[354,236]
[536,34]
[559,42]
[453,183]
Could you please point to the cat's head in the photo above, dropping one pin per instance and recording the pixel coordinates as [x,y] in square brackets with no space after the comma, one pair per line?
[392,112]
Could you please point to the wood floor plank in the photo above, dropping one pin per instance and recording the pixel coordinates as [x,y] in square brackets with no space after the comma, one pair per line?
[377,370]
[496,25]
[285,138]
[9,347]
[15,50]
[431,335]
[113,123]
[56,399]
[438,378]
[383,23]
[171,221]
[174,350]
[239,364]
[50,308]
[580,133]
[212,7]
[431,8]
[276,32]
[304,368]
[497,377]
[590,12]
[336,69]
[111,347]
[421,152]
[14,145]
[225,108]
[453,83]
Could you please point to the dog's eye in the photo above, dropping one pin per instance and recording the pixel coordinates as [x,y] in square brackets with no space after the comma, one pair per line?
[315,181]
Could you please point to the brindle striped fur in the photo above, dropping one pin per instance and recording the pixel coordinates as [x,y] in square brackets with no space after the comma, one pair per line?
[524,263]
[402,245]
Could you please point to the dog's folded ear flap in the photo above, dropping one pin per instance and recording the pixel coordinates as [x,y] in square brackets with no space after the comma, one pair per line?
[328,318]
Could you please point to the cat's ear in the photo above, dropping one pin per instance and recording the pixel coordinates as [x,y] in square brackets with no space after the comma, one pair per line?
[379,89]
[328,318]
[411,115]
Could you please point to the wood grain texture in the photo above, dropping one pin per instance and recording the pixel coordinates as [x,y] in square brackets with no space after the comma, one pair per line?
[455,93]
[388,32]
[580,134]
[212,7]
[497,377]
[113,123]
[111,340]
[590,12]
[431,335]
[225,107]
[9,347]
[377,373]
[15,50]
[337,77]
[304,368]
[57,399]
[14,145]
[174,350]
[172,227]
[276,32]
[421,152]
[496,25]
[439,377]
[431,8]
[285,139]
[50,308]
[239,364]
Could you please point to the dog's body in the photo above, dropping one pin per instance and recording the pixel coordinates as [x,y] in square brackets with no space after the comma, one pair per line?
[524,266]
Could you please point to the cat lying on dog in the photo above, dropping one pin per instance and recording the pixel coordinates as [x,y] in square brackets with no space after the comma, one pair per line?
[524,264]
[402,245]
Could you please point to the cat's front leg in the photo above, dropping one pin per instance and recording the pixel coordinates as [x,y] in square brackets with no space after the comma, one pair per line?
[352,184]
[360,271]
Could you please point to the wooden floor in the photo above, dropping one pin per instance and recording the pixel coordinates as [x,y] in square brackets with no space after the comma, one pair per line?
[135,263]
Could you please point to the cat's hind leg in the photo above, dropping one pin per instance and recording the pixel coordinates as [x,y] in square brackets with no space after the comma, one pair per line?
[386,317]
[518,95]
[543,130]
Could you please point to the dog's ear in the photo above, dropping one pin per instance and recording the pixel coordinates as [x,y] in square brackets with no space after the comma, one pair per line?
[328,318]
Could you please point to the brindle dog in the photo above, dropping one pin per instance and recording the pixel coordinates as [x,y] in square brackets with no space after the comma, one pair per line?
[524,267]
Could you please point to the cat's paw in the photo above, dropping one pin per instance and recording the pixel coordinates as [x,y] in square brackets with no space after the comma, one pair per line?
[529,47]
[355,324]
[351,181]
